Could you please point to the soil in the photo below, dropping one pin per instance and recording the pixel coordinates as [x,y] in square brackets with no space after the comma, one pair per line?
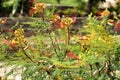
[17,21]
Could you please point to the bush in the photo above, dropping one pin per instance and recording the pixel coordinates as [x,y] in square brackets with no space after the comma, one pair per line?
[57,53]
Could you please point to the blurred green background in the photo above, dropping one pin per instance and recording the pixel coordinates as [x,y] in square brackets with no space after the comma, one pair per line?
[81,7]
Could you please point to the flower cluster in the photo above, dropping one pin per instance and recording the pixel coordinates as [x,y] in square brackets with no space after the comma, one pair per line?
[66,22]
[38,8]
[59,22]
[55,21]
[18,40]
[18,37]
[105,13]
[55,18]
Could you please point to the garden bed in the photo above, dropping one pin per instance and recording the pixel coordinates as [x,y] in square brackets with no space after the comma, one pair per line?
[60,48]
[16,22]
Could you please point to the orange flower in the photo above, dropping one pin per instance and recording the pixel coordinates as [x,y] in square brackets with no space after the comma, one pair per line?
[55,18]
[105,13]
[10,43]
[63,24]
[3,21]
[57,22]
[38,8]
[66,22]
[40,5]
[34,10]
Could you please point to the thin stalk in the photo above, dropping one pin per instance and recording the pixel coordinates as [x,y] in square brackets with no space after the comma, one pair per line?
[67,36]
[53,44]
[25,52]
[58,45]
[67,40]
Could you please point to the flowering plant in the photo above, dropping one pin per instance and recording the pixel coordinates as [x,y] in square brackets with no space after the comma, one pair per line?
[55,52]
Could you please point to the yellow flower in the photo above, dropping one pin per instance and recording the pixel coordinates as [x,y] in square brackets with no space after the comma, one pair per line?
[38,8]
[105,13]
[66,22]
[40,5]
[15,41]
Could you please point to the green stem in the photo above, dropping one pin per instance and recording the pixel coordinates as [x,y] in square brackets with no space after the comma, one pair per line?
[67,40]
[25,52]
[53,44]
[67,36]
